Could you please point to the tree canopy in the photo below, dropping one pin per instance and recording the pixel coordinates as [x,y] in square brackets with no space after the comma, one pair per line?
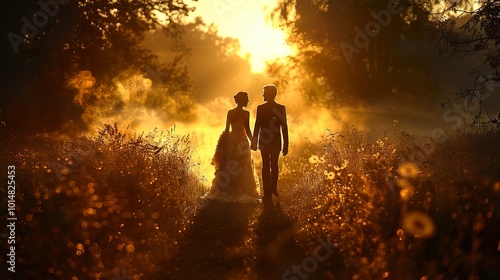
[368,52]
[466,28]
[47,41]
[359,51]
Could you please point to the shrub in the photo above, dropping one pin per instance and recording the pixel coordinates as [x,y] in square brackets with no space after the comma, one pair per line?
[97,207]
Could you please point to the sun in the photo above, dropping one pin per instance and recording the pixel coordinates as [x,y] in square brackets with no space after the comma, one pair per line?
[247,21]
[262,44]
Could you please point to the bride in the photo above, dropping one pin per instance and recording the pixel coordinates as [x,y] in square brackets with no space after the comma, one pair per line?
[235,179]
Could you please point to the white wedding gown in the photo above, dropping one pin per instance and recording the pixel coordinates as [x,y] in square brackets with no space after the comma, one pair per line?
[235,178]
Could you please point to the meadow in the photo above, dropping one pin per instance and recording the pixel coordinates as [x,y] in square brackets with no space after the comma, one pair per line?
[395,206]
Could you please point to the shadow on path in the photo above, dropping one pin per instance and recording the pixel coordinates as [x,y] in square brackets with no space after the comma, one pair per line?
[279,257]
[275,245]
[213,247]
[235,241]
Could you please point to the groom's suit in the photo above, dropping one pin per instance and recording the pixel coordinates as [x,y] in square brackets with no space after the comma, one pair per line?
[270,126]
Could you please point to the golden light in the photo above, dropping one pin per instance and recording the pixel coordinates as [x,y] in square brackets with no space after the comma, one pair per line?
[463,10]
[248,22]
[408,170]
[419,224]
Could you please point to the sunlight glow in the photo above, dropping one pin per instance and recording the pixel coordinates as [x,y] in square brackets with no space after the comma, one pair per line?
[470,6]
[246,21]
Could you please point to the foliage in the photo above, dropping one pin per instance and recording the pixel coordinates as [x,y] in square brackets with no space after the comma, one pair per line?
[98,207]
[463,28]
[95,35]
[212,62]
[344,58]
[397,208]
[103,37]
[358,53]
[466,29]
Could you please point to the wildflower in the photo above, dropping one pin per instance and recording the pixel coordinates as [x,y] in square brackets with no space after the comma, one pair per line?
[344,165]
[400,233]
[407,189]
[313,159]
[402,183]
[406,194]
[408,170]
[496,187]
[418,224]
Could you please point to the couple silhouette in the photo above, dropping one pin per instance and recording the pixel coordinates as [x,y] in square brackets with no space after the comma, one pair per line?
[235,178]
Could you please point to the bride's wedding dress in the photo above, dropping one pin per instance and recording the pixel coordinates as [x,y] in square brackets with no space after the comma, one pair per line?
[235,179]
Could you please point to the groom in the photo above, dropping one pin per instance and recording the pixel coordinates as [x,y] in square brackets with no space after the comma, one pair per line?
[270,124]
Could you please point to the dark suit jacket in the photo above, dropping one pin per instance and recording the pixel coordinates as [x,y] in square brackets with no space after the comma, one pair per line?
[270,124]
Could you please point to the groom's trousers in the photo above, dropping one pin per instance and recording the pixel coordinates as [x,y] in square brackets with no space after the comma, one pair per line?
[269,171]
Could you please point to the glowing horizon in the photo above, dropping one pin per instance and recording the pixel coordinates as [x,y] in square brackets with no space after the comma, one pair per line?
[246,21]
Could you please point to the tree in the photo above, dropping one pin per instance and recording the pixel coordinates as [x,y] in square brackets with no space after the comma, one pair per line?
[212,61]
[467,28]
[47,41]
[360,52]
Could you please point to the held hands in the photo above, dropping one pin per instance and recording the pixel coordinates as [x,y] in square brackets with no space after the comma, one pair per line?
[285,150]
[253,146]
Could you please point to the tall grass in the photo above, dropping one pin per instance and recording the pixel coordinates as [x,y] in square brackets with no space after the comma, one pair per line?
[99,207]
[398,206]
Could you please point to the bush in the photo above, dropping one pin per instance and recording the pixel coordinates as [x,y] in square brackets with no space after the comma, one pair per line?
[89,207]
[399,207]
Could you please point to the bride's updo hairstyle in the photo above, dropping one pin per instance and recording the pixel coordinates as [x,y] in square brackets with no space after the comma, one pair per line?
[241,97]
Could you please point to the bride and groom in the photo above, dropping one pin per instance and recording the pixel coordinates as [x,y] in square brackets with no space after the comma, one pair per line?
[235,178]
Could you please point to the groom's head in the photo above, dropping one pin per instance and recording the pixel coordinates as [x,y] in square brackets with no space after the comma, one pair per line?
[270,92]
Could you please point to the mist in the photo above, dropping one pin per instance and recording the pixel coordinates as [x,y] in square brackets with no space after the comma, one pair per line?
[142,100]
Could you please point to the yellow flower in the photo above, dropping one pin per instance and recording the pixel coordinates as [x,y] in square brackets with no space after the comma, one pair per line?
[496,187]
[407,189]
[313,159]
[406,193]
[418,224]
[408,170]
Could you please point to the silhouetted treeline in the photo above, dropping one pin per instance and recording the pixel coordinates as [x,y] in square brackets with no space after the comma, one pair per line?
[46,42]
[379,51]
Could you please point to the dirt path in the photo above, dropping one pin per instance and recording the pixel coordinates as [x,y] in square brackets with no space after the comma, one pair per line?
[236,241]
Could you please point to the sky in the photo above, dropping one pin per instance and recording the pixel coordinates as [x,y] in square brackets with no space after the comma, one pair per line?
[247,21]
